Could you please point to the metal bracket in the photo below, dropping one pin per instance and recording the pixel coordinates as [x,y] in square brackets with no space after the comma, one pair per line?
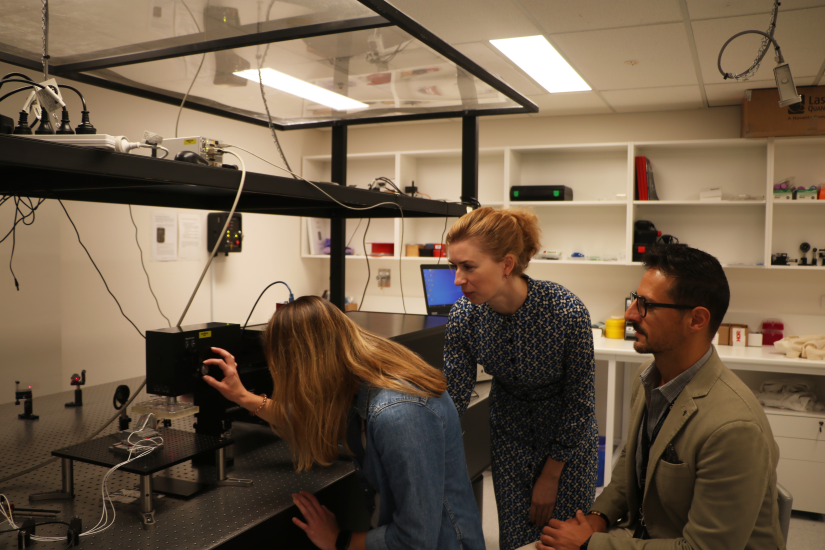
[223,480]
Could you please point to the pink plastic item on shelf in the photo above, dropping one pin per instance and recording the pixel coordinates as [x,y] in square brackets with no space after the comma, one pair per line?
[772,331]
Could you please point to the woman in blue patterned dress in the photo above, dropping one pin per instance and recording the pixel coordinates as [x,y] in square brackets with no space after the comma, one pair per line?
[535,339]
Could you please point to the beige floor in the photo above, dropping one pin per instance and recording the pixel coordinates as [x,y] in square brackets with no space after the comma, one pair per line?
[807,531]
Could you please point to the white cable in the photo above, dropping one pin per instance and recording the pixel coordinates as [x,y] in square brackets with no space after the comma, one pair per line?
[223,232]
[333,199]
[401,210]
[103,524]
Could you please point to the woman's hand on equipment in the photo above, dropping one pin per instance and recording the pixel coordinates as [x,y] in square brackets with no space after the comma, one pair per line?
[321,526]
[231,386]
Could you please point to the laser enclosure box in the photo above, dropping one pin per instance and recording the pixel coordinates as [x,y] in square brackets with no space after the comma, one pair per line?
[174,356]
[541,193]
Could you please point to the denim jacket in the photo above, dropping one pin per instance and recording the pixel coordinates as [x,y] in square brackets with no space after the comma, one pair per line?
[414,460]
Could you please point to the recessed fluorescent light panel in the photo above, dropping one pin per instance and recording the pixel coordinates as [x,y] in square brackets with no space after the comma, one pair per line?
[294,86]
[542,62]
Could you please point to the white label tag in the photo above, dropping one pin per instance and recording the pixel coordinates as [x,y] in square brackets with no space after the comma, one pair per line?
[47,102]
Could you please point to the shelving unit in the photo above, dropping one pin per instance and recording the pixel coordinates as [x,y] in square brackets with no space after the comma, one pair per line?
[741,232]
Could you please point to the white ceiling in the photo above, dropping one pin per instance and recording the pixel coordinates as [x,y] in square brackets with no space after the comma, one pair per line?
[674,43]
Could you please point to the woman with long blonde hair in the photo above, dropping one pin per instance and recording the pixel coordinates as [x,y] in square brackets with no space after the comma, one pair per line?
[335,382]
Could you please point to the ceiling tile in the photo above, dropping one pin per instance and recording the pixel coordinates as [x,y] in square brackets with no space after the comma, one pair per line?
[654,99]
[557,16]
[571,103]
[458,21]
[799,34]
[709,9]
[662,52]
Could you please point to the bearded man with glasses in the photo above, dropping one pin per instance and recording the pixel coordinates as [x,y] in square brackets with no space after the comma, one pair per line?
[699,468]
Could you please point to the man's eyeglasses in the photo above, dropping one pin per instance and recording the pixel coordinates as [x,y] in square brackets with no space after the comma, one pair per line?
[642,304]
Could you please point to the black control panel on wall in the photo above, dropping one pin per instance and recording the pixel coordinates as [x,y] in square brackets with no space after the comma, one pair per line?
[232,239]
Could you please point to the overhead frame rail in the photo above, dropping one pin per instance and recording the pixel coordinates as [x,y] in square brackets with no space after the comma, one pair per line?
[387,16]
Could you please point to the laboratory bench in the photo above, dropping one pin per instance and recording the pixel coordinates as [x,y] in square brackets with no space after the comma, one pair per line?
[216,517]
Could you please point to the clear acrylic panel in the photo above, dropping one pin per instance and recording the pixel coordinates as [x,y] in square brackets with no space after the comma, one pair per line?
[80,30]
[386,71]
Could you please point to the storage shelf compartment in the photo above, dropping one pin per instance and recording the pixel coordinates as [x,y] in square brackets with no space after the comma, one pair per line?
[734,235]
[575,229]
[681,170]
[802,158]
[792,227]
[594,173]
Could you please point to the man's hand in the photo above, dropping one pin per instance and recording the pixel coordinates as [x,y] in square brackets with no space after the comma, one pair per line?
[545,492]
[566,535]
[321,526]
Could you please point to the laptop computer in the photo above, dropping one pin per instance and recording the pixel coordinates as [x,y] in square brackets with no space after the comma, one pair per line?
[440,292]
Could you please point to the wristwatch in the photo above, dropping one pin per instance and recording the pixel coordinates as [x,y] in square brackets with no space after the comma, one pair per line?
[603,516]
[584,546]
[343,540]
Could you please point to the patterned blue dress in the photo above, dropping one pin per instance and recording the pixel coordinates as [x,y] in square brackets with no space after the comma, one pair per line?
[542,401]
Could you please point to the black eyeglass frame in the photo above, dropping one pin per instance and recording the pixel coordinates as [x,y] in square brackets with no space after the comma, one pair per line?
[642,304]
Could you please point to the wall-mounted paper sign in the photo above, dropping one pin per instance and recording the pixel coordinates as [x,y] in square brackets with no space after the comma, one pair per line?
[164,236]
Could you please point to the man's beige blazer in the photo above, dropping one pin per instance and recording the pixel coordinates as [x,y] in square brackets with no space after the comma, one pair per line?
[723,494]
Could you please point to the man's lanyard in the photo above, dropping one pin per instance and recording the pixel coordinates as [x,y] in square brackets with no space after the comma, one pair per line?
[647,443]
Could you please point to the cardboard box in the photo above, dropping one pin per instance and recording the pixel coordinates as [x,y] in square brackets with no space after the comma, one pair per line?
[412,250]
[724,335]
[739,335]
[763,117]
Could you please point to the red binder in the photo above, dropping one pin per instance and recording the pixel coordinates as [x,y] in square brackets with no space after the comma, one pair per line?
[641,179]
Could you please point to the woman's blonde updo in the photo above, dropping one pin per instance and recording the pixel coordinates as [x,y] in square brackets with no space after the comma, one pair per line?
[500,232]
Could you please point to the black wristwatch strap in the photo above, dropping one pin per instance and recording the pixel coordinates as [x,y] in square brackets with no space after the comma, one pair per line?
[584,546]
[603,516]
[343,540]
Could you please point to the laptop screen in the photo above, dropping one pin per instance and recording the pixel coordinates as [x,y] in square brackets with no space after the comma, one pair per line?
[440,292]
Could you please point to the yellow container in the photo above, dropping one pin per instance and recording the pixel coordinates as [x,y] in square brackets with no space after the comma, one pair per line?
[614,333]
[614,328]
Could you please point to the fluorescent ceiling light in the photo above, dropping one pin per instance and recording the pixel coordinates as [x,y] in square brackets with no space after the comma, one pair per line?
[542,62]
[294,86]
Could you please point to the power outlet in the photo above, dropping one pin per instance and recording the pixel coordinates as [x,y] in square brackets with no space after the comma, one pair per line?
[383,278]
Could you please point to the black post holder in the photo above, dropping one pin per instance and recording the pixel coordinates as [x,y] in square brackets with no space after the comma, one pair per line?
[77,381]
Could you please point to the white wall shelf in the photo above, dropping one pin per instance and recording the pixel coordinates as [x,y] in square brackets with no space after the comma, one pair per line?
[742,234]
[701,203]
[563,204]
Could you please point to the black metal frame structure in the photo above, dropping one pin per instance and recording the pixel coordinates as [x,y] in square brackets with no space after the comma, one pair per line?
[96,176]
[387,15]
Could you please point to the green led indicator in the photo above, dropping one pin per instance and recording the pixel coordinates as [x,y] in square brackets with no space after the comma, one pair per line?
[515,193]
[556,193]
